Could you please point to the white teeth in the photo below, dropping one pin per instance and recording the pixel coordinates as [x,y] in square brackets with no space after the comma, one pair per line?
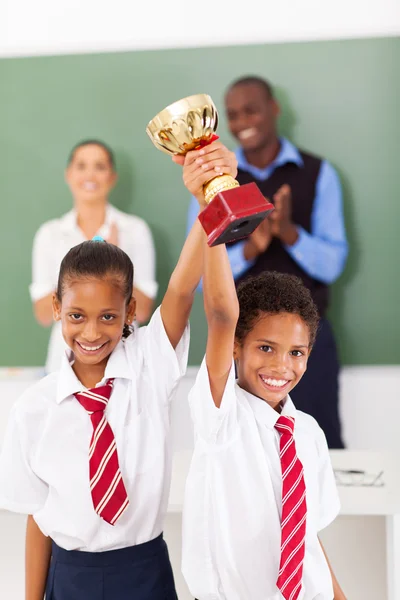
[247,133]
[89,185]
[91,348]
[274,382]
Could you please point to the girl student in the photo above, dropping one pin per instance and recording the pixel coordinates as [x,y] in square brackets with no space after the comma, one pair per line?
[87,453]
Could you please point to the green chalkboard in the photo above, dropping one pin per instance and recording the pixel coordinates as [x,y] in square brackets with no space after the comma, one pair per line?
[339,99]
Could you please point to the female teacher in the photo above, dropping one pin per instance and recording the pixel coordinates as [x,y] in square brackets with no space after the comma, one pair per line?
[90,175]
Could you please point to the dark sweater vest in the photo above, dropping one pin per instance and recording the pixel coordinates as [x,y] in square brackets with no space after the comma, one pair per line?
[302,181]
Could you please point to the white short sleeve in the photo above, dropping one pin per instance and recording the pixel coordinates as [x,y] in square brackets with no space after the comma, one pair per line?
[165,365]
[329,503]
[21,490]
[141,251]
[214,425]
[43,282]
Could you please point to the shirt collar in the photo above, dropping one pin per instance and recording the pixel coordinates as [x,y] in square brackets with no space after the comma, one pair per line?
[68,222]
[264,413]
[117,367]
[288,153]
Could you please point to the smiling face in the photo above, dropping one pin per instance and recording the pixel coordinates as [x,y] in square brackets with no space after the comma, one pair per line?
[252,116]
[272,357]
[93,313]
[90,174]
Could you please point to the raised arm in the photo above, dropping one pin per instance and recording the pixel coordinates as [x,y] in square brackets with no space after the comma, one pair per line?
[199,167]
[222,312]
[220,300]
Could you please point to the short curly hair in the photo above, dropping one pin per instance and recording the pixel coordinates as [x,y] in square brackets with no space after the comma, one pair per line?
[274,293]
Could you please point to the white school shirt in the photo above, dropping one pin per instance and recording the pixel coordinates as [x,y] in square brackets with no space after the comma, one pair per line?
[233,497]
[44,463]
[56,237]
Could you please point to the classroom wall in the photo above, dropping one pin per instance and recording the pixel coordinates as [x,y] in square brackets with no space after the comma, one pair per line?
[339,99]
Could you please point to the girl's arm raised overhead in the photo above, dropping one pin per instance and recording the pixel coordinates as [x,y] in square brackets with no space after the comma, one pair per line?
[199,166]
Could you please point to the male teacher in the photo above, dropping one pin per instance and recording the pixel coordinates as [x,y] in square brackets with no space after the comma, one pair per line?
[304,236]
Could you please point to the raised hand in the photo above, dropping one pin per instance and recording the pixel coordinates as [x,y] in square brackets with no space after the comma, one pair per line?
[200,166]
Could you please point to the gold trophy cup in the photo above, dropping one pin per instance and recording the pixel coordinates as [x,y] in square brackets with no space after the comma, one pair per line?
[233,211]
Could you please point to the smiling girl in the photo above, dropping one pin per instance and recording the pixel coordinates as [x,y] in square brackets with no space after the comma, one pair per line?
[87,452]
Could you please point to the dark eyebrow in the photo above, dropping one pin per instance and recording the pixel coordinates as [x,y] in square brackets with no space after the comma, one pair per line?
[104,310]
[270,343]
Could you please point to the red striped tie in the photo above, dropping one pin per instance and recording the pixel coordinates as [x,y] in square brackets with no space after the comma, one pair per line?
[294,513]
[107,488]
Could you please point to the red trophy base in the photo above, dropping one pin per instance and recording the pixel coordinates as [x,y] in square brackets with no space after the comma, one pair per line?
[234,214]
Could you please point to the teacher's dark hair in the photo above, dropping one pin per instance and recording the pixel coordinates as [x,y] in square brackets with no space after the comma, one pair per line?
[254,80]
[106,149]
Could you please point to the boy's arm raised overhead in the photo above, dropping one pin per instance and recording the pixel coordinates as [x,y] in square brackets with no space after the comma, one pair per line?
[199,166]
[222,312]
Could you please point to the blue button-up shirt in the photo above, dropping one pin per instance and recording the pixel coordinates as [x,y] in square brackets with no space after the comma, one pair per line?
[322,253]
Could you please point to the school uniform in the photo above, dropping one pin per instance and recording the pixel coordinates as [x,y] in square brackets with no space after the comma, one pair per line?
[56,237]
[44,471]
[233,498]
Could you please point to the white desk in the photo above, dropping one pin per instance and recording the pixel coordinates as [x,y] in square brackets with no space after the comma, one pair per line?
[380,500]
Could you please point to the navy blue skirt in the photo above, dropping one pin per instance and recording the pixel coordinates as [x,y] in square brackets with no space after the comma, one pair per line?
[141,572]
